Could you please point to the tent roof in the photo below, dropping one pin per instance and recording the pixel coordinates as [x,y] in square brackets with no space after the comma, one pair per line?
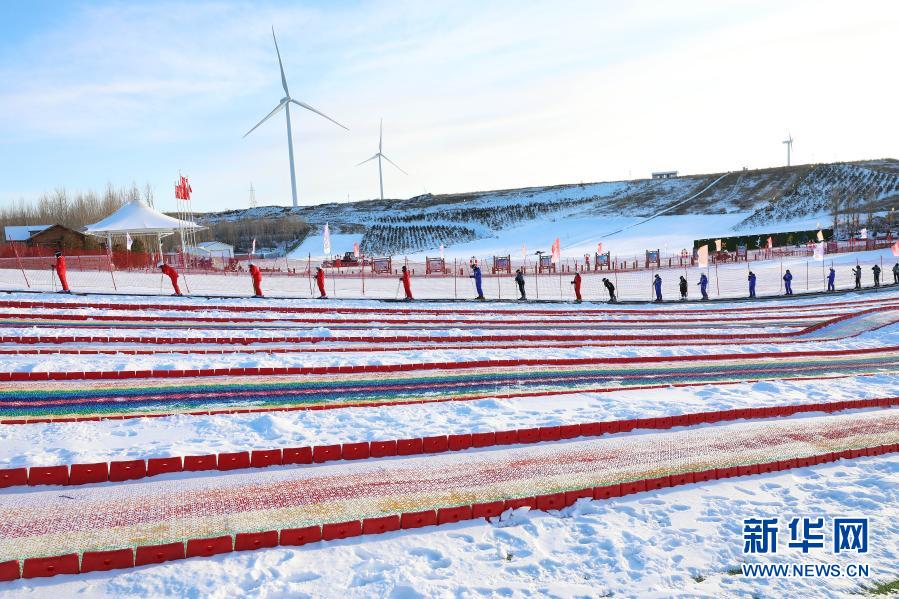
[137,218]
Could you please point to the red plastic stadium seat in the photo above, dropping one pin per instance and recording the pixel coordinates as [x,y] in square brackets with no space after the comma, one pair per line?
[127,470]
[483,439]
[637,486]
[38,567]
[569,431]
[487,509]
[658,483]
[704,475]
[681,479]
[354,451]
[514,504]
[446,515]
[375,526]
[325,453]
[549,433]
[459,442]
[409,446]
[12,477]
[82,474]
[195,463]
[99,561]
[48,475]
[418,519]
[528,435]
[341,530]
[296,455]
[9,571]
[156,554]
[607,491]
[262,458]
[571,497]
[436,444]
[383,449]
[163,465]
[553,501]
[210,546]
[592,429]
[300,536]
[248,541]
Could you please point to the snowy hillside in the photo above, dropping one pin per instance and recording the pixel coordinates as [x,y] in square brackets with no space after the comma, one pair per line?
[759,199]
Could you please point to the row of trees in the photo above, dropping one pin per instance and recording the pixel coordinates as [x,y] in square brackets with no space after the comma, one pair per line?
[848,207]
[389,240]
[71,210]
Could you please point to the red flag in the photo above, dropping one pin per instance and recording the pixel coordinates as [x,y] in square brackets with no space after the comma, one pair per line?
[770,242]
[185,189]
[556,252]
[178,191]
[895,248]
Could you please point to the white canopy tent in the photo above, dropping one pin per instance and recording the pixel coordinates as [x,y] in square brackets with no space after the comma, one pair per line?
[136,218]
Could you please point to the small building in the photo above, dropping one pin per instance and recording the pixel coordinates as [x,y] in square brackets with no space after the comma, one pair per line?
[664,175]
[21,233]
[58,237]
[212,249]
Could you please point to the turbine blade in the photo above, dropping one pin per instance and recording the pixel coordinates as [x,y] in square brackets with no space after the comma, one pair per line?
[280,64]
[367,160]
[381,136]
[270,115]
[307,107]
[394,164]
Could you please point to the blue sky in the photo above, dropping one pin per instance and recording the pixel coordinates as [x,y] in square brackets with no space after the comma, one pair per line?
[474,95]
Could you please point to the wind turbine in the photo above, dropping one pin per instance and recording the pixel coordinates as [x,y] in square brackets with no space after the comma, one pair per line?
[789,142]
[380,155]
[284,104]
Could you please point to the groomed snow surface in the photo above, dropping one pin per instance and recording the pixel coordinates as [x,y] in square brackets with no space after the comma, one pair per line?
[684,541]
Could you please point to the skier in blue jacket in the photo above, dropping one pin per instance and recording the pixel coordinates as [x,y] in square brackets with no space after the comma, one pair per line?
[657,283]
[788,281]
[831,276]
[476,275]
[751,284]
[703,286]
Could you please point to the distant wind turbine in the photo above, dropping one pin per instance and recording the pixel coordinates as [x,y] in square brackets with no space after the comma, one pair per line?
[789,142]
[380,155]
[284,104]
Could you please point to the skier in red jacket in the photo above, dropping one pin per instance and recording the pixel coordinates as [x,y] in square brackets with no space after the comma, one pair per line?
[172,274]
[320,279]
[407,284]
[577,286]
[60,267]
[257,280]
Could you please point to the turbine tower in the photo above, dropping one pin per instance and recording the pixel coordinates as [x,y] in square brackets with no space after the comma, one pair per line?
[789,142]
[380,155]
[284,104]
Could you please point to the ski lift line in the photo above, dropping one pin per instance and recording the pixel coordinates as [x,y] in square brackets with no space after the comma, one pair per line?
[669,208]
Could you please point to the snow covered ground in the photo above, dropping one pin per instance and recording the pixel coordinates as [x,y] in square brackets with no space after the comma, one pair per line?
[684,541]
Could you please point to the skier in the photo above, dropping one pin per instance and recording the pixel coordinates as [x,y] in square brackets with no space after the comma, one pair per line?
[683,288]
[751,284]
[876,270]
[896,274]
[476,275]
[60,267]
[657,283]
[172,274]
[831,277]
[407,284]
[611,289]
[320,279]
[703,286]
[788,281]
[857,271]
[256,274]
[519,280]
[576,281]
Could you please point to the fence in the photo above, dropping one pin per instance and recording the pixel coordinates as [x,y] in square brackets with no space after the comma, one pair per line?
[129,272]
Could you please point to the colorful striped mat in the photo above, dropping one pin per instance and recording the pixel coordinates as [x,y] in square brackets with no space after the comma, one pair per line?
[54,522]
[109,398]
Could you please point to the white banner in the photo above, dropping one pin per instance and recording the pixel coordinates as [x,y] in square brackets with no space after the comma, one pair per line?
[702,256]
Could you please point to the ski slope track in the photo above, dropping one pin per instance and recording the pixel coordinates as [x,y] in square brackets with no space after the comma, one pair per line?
[137,433]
